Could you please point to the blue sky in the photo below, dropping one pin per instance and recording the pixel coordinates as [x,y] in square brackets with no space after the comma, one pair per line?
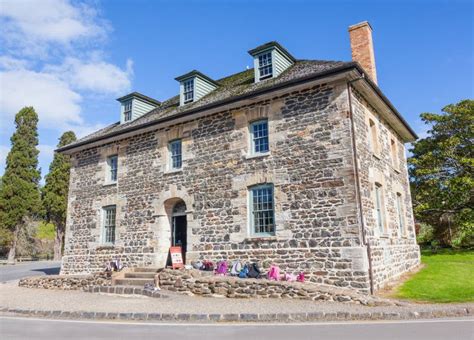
[72,59]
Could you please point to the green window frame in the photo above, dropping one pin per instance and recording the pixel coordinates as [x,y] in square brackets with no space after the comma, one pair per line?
[112,163]
[262,209]
[259,137]
[379,207]
[401,221]
[176,154]
[109,221]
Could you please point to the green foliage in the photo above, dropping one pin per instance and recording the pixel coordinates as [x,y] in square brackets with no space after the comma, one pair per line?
[442,174]
[45,231]
[424,235]
[57,183]
[19,192]
[447,277]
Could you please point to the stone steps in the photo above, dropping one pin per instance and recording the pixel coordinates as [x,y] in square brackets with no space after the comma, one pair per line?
[132,281]
[145,269]
[139,275]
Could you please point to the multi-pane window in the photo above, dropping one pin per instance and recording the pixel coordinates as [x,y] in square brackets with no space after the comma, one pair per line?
[175,154]
[265,65]
[262,209]
[394,153]
[109,224]
[112,163]
[259,135]
[127,111]
[188,90]
[379,206]
[373,143]
[401,224]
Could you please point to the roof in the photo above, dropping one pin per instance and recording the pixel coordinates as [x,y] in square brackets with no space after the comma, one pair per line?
[141,96]
[194,73]
[232,88]
[271,44]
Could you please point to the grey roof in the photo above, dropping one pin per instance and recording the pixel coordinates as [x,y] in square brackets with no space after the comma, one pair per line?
[267,45]
[196,73]
[141,96]
[234,87]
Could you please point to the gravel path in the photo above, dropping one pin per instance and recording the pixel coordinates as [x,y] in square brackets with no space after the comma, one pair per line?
[12,296]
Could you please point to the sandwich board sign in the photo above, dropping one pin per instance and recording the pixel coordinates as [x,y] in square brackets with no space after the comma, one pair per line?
[176,257]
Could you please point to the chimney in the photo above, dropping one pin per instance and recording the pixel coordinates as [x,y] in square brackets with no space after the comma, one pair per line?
[362,48]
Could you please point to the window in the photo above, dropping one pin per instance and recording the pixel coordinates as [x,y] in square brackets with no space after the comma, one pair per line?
[109,224]
[127,111]
[379,206]
[261,209]
[401,222]
[265,65]
[112,163]
[175,154]
[188,90]
[259,136]
[394,152]
[373,143]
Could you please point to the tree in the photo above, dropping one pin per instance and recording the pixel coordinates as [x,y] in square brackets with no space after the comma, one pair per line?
[442,174]
[55,192]
[19,194]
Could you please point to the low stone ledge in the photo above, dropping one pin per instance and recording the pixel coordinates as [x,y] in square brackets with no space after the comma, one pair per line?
[67,282]
[196,282]
[124,290]
[242,317]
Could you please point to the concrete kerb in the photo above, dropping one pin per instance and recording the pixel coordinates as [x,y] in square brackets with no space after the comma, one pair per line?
[243,317]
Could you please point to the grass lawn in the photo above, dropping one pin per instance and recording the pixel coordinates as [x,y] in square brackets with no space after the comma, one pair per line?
[448,276]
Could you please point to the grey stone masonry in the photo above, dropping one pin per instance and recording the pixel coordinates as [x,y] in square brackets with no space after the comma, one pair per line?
[311,166]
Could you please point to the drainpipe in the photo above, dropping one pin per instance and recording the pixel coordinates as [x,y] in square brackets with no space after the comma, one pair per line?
[359,197]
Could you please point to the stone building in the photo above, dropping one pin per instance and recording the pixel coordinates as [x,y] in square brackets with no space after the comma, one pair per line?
[299,163]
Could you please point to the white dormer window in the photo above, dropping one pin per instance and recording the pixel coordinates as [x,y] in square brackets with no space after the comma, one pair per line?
[265,65]
[127,111]
[188,90]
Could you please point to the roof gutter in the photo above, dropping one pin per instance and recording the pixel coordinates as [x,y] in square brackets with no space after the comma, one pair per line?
[344,68]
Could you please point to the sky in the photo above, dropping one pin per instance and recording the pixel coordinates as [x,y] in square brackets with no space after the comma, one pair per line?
[70,59]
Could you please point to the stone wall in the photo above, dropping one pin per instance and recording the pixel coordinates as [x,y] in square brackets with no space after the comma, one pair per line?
[67,282]
[310,166]
[392,252]
[205,284]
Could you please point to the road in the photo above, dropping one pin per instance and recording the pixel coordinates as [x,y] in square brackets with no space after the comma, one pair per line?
[26,328]
[17,271]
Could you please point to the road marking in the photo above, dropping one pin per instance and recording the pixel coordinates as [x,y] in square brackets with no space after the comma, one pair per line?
[247,324]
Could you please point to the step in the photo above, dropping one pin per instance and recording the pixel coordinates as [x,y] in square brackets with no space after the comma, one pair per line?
[140,275]
[132,282]
[145,269]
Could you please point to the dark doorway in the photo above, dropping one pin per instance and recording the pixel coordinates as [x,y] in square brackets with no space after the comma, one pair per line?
[179,227]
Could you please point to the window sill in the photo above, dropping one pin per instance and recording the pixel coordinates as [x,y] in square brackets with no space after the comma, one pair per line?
[107,246]
[258,155]
[260,238]
[376,155]
[109,184]
[173,171]
[384,235]
[396,170]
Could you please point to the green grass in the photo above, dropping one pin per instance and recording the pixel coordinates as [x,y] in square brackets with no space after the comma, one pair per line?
[45,231]
[448,276]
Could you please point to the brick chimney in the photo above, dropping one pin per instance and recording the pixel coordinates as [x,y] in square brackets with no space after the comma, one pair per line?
[362,48]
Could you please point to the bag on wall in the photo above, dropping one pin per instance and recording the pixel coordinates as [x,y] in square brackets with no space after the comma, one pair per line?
[290,277]
[300,277]
[236,268]
[221,268]
[197,265]
[244,272]
[254,271]
[208,266]
[274,273]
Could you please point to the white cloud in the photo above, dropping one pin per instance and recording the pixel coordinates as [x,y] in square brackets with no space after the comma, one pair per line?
[54,101]
[9,63]
[97,76]
[46,155]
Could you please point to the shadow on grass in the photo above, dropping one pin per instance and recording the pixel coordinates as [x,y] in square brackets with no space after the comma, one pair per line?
[48,271]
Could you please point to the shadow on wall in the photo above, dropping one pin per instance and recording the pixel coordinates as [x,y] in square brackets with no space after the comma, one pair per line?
[48,271]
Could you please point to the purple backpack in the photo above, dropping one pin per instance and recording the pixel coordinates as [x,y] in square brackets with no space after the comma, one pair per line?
[221,268]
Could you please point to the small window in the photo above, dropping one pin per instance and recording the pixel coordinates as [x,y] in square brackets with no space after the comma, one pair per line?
[401,221]
[261,208]
[373,143]
[265,65]
[188,90]
[394,153]
[112,163]
[127,111]
[175,154]
[379,206]
[109,224]
[259,136]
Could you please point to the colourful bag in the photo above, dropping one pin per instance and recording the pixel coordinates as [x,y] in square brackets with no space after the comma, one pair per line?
[290,277]
[300,277]
[274,273]
[221,268]
[236,268]
[254,271]
[244,272]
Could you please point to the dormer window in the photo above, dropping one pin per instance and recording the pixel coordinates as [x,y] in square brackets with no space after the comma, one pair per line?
[193,86]
[188,90]
[270,60]
[127,111]
[265,65]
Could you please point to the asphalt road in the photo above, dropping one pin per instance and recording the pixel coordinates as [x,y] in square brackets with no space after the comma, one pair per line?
[17,271]
[26,328]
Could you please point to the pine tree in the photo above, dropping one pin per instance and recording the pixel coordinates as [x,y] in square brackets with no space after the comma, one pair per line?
[19,194]
[55,193]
